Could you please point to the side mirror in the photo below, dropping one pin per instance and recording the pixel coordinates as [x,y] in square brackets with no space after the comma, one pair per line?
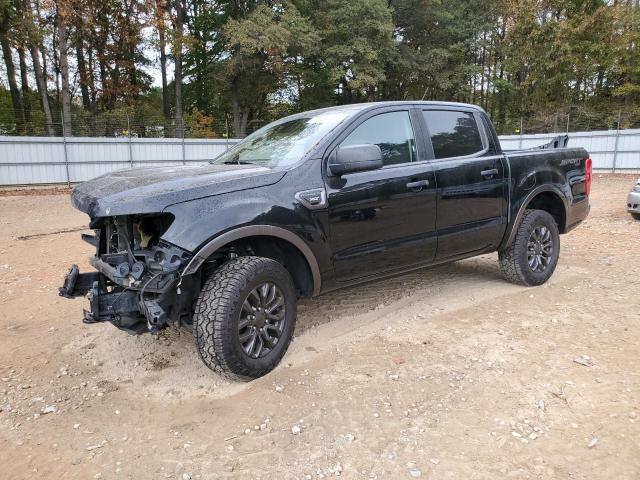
[355,158]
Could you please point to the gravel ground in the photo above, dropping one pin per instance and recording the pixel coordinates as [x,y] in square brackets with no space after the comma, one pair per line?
[453,374]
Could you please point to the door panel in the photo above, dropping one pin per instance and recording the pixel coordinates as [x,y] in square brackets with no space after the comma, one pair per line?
[378,224]
[471,182]
[384,220]
[470,205]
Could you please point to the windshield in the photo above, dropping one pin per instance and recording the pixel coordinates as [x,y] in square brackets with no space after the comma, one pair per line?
[283,144]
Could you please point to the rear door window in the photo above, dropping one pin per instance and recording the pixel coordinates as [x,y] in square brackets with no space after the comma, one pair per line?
[453,134]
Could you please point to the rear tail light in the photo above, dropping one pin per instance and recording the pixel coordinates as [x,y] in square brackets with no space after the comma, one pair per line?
[588,173]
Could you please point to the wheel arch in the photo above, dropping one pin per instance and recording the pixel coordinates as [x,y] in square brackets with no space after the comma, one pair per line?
[255,233]
[547,198]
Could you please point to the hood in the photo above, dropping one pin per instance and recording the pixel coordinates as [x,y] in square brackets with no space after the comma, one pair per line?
[152,189]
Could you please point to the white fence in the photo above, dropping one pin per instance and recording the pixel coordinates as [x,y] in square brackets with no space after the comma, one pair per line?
[47,160]
[50,160]
[609,149]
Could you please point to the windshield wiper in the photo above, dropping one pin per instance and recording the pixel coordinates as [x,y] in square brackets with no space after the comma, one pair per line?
[238,162]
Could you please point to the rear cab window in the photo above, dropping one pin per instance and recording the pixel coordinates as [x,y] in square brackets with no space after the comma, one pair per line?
[453,133]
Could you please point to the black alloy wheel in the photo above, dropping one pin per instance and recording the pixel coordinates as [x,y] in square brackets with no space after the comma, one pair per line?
[245,316]
[531,258]
[540,249]
[262,320]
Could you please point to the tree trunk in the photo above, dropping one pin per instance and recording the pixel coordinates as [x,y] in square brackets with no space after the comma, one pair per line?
[100,45]
[82,65]
[41,83]
[45,65]
[56,62]
[502,115]
[40,44]
[104,79]
[24,84]
[64,73]
[16,101]
[166,109]
[103,72]
[92,82]
[240,113]
[129,52]
[494,76]
[163,59]
[133,73]
[483,65]
[240,119]
[38,71]
[177,54]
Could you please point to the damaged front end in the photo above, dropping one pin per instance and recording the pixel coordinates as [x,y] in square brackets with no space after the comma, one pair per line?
[138,286]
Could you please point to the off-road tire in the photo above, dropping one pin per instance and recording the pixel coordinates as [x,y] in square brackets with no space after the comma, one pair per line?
[513,259]
[635,215]
[217,312]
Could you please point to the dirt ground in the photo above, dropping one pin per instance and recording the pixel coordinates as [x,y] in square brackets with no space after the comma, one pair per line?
[448,373]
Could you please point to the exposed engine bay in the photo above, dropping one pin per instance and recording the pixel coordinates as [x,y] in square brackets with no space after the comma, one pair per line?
[137,285]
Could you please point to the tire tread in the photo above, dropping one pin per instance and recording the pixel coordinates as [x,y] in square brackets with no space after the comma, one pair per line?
[510,257]
[218,300]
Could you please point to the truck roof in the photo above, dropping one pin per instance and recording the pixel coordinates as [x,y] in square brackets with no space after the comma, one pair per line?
[359,107]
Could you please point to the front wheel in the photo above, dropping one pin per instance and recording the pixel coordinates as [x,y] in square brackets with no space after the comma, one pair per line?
[533,255]
[244,317]
[635,215]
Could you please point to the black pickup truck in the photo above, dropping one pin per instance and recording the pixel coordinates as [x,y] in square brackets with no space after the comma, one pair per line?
[315,202]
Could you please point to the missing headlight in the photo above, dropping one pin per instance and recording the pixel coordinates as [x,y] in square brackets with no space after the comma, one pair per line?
[130,232]
[147,229]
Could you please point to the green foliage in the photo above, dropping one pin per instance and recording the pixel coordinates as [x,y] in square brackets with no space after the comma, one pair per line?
[356,42]
[246,63]
[438,43]
[275,32]
[199,125]
[7,120]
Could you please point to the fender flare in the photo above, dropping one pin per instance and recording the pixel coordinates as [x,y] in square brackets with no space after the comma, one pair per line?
[525,203]
[252,231]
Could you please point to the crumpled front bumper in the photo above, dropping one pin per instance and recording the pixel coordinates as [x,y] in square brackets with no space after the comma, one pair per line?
[77,284]
[121,308]
[137,277]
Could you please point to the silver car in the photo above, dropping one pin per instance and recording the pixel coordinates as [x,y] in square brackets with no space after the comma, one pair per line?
[633,201]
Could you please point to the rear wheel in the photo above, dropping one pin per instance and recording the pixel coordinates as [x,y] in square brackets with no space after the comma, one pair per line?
[244,317]
[635,215]
[533,255]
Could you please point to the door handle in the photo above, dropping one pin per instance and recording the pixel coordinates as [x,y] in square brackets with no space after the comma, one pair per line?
[489,173]
[417,185]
